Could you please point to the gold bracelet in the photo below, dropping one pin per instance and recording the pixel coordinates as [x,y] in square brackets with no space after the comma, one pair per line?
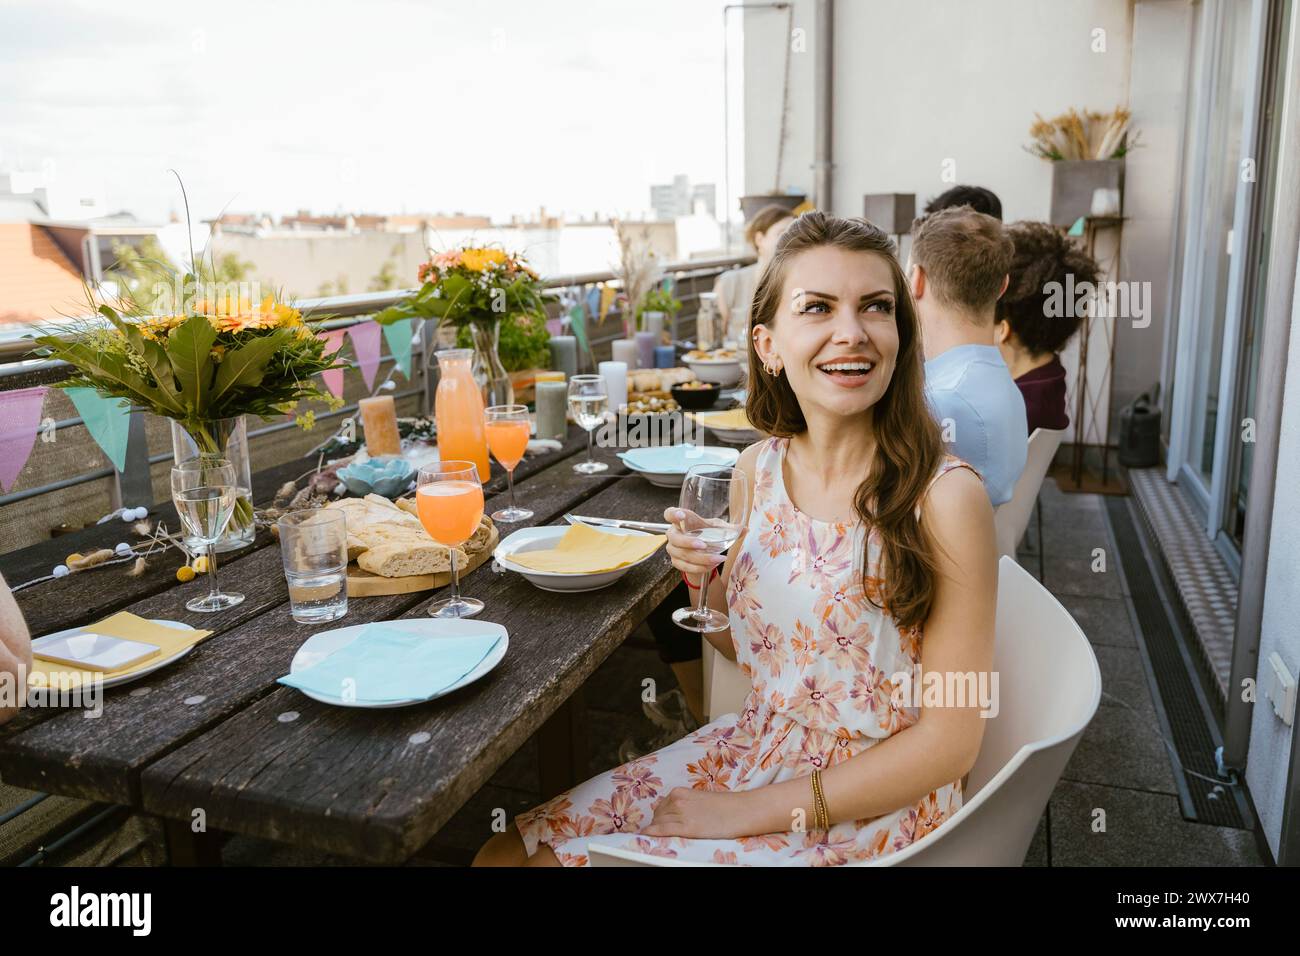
[822,818]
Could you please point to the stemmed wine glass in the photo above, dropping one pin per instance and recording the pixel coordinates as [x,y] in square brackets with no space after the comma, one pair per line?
[449,498]
[507,437]
[715,502]
[588,402]
[204,492]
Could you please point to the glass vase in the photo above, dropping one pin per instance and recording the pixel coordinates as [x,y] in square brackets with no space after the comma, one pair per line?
[228,438]
[489,373]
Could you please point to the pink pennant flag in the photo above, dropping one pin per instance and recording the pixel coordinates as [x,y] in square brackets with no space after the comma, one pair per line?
[334,377]
[20,419]
[554,326]
[365,340]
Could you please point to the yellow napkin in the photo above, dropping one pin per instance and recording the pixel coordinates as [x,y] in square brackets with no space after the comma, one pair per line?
[735,418]
[126,625]
[584,550]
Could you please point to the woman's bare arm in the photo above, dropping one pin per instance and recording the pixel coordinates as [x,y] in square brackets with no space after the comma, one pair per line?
[15,652]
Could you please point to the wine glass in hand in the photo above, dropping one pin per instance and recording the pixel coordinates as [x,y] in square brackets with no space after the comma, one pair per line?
[713,507]
[203,490]
[449,498]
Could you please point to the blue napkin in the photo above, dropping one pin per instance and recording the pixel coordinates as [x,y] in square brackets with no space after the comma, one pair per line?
[385,664]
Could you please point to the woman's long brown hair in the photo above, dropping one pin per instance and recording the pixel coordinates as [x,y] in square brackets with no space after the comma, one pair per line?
[909,447]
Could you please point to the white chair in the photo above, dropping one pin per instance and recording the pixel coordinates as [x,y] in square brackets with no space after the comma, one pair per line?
[1011,518]
[1049,688]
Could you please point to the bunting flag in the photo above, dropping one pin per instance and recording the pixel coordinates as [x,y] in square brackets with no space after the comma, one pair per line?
[593,302]
[554,326]
[107,419]
[365,342]
[20,419]
[607,297]
[399,336]
[578,324]
[334,377]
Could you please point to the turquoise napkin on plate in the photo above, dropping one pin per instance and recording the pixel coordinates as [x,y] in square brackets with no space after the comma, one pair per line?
[384,664]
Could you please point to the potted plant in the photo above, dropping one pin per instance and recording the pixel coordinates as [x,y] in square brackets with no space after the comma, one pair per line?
[657,309]
[475,289]
[1087,152]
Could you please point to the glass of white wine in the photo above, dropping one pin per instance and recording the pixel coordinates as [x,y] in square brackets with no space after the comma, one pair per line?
[204,492]
[588,402]
[715,502]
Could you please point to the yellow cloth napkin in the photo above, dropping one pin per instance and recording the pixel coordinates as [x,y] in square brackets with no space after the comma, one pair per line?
[584,550]
[126,625]
[735,418]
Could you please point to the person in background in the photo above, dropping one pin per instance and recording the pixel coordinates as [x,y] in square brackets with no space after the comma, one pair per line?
[1028,334]
[15,653]
[957,270]
[977,197]
[735,287]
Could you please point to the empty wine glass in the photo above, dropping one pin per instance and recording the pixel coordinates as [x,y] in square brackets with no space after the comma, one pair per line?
[715,502]
[449,499]
[588,402]
[204,492]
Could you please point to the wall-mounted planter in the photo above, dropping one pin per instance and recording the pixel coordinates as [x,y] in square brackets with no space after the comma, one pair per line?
[1074,183]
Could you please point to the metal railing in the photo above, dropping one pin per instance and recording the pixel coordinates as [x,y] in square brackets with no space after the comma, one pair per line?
[134,483]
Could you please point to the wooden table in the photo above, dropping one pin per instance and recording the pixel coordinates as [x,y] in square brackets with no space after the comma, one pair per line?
[215,738]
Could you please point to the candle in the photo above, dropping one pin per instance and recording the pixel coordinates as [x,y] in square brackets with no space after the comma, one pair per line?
[379,421]
[552,403]
[615,376]
[645,350]
[654,324]
[665,356]
[564,354]
[548,377]
[624,350]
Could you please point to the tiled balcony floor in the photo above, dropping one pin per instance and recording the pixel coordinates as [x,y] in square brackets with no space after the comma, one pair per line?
[1121,766]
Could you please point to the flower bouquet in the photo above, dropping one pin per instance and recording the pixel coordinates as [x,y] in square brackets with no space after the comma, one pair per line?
[474,288]
[204,367]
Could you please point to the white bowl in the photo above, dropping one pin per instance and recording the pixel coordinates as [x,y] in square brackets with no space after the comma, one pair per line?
[545,538]
[672,477]
[722,371]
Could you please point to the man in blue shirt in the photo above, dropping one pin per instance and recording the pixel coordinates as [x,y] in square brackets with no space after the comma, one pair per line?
[957,271]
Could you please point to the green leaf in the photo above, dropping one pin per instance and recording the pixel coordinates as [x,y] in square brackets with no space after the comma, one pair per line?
[245,366]
[189,350]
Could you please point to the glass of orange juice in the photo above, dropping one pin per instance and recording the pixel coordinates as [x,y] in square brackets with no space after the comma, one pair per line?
[507,437]
[449,498]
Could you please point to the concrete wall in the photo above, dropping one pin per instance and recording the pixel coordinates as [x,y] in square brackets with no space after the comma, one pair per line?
[928,93]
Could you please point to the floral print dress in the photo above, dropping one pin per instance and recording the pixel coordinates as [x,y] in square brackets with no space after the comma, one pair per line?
[823,662]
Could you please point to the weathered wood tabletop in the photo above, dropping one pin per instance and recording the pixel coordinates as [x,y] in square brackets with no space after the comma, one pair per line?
[215,733]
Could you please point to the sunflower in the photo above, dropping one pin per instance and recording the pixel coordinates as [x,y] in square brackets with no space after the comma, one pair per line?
[476,260]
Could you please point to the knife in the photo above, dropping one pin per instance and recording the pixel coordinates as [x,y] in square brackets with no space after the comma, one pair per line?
[617,523]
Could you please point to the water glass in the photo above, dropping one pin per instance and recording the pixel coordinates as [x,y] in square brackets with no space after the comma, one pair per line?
[314,548]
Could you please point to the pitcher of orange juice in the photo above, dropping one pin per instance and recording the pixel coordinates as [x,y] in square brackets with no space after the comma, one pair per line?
[458,410]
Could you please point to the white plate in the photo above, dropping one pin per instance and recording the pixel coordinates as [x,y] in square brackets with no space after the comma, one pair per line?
[707,455]
[544,538]
[322,645]
[122,678]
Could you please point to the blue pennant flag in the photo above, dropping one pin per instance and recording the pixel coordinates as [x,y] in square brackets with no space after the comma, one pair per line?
[107,419]
[398,336]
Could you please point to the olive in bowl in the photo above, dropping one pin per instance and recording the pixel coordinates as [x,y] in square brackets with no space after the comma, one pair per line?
[696,396]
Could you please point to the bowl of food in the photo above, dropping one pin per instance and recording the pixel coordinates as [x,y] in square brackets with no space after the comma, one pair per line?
[715,365]
[696,396]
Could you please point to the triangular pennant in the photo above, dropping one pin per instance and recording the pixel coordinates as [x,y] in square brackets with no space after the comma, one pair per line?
[20,418]
[107,419]
[578,323]
[398,335]
[333,377]
[365,341]
[607,297]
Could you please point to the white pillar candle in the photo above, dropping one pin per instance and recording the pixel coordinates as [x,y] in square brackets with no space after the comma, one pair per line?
[624,351]
[615,376]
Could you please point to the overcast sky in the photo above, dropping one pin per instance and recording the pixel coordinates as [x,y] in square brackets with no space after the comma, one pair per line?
[490,107]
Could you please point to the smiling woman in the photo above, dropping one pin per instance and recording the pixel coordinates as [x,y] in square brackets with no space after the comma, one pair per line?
[863,537]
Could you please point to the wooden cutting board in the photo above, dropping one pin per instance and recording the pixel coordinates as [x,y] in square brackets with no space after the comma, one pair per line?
[363,584]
